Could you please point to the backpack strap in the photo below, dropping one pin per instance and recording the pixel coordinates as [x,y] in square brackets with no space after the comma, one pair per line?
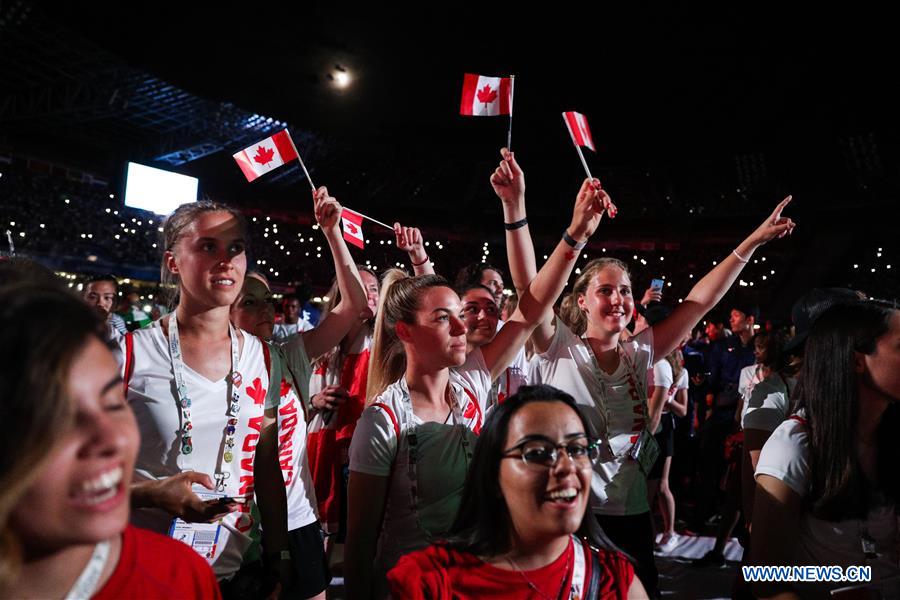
[129,359]
[393,418]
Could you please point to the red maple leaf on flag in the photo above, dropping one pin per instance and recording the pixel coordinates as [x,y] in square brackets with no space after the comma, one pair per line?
[263,155]
[257,391]
[351,227]
[285,388]
[486,95]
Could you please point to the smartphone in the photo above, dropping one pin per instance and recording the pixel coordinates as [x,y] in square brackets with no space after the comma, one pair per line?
[228,500]
[657,284]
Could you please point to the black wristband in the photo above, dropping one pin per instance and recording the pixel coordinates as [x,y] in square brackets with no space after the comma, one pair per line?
[516,225]
[421,263]
[572,242]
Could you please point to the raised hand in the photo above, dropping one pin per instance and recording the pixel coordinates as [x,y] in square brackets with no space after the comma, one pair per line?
[409,239]
[775,225]
[327,210]
[508,180]
[590,204]
[651,295]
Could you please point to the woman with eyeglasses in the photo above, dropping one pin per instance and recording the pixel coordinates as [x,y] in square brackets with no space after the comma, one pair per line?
[523,529]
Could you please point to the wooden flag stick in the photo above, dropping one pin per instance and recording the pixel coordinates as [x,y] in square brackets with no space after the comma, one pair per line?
[302,166]
[512,90]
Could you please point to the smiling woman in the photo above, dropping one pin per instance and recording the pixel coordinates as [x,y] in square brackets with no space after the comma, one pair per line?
[67,465]
[523,529]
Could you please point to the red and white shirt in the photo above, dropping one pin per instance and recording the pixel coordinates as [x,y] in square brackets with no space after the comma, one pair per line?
[151,394]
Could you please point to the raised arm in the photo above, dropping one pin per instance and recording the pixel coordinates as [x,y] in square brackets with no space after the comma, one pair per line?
[409,240]
[538,297]
[508,182]
[590,198]
[709,290]
[353,302]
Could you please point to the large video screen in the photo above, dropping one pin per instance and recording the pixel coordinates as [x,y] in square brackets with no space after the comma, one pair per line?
[157,190]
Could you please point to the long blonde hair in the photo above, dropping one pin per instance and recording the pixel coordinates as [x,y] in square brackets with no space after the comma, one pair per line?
[569,311]
[398,303]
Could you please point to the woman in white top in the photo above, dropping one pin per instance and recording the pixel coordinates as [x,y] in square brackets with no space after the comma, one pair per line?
[412,446]
[254,313]
[200,390]
[607,376]
[827,490]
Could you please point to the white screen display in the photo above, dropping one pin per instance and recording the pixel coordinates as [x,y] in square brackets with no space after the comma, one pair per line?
[156,190]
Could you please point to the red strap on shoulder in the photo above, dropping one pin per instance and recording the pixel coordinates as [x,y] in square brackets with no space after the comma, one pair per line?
[129,358]
[391,415]
[799,419]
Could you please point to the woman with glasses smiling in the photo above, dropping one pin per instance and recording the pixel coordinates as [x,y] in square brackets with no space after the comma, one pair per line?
[523,530]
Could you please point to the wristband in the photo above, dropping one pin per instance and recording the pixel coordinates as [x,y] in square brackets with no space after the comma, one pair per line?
[421,263]
[739,257]
[571,241]
[516,225]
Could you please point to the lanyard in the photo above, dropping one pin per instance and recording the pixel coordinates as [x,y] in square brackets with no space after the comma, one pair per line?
[578,585]
[412,448]
[184,401]
[86,584]
[637,394]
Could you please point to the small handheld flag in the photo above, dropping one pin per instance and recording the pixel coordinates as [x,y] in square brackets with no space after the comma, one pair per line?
[578,128]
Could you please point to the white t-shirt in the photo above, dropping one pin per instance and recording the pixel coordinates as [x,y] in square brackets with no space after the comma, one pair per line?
[663,377]
[442,464]
[282,331]
[619,487]
[768,404]
[786,458]
[301,495]
[750,376]
[152,396]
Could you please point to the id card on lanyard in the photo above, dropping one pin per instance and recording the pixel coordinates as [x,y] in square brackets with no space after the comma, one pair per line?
[202,537]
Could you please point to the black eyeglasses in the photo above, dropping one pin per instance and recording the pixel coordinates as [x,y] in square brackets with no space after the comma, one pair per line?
[544,453]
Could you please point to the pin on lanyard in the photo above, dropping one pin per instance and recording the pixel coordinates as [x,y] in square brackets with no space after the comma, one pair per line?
[184,400]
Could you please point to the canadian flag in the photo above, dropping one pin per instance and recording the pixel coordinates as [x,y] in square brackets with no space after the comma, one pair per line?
[579,130]
[485,96]
[267,155]
[352,223]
